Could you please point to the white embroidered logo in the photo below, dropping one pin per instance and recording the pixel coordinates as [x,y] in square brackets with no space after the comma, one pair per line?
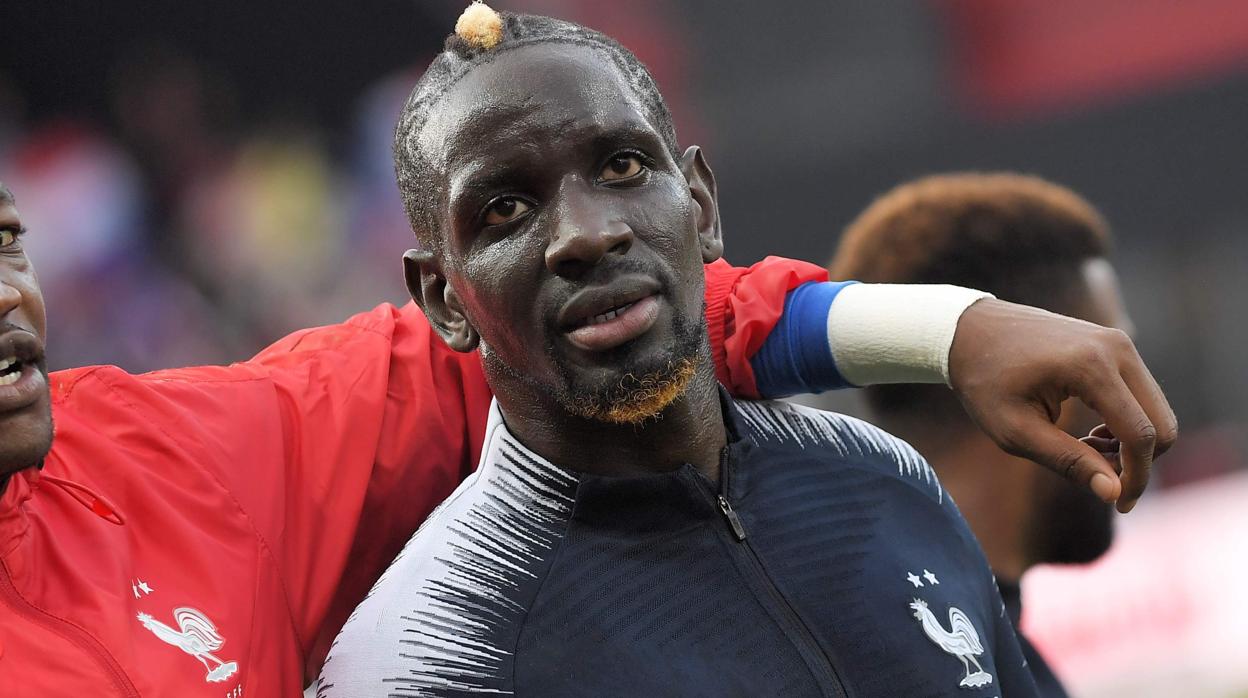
[197,636]
[140,588]
[960,640]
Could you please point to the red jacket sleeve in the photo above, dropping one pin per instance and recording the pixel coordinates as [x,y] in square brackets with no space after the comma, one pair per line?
[742,307]
[335,442]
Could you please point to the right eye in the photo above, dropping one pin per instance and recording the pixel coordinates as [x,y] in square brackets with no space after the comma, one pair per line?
[621,167]
[505,210]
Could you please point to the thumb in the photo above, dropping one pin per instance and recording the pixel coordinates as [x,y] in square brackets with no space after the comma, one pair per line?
[1043,442]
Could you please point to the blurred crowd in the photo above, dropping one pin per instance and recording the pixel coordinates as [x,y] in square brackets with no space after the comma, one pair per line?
[188,217]
[181,236]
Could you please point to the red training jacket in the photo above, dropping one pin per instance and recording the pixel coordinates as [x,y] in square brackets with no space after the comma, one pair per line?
[206,531]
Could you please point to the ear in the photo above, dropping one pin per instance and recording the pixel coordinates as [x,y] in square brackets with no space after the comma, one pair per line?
[441,303]
[702,189]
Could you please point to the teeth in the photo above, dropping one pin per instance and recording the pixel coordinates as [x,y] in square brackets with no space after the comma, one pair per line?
[609,315]
[10,371]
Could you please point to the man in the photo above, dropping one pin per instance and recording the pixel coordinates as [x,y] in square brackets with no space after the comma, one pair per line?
[206,531]
[631,531]
[248,508]
[1028,241]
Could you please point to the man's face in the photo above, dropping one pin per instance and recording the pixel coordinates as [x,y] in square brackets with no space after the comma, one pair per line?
[572,239]
[25,405]
[1074,525]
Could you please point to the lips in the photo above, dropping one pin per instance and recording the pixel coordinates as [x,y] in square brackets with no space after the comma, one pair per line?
[21,380]
[604,317]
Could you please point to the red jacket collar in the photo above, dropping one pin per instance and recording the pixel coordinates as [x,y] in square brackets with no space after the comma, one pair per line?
[23,485]
[13,521]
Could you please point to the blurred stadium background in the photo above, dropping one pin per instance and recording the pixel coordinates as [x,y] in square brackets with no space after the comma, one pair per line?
[202,178]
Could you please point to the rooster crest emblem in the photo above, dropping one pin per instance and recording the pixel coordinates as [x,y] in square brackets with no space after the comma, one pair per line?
[197,636]
[960,640]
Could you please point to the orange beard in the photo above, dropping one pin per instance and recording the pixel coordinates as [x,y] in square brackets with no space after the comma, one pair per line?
[635,399]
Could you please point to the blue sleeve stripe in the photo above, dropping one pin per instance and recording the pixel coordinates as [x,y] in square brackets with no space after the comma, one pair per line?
[797,356]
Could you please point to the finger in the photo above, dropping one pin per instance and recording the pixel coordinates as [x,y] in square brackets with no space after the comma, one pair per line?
[1135,431]
[1108,448]
[1146,390]
[1038,439]
[1102,445]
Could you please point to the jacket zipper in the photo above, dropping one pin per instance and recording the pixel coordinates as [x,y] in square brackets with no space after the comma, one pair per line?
[75,636]
[799,633]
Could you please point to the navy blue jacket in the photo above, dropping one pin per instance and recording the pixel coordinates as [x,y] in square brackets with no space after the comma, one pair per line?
[827,561]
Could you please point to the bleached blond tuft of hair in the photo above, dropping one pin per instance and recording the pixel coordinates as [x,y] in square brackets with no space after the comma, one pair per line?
[480,26]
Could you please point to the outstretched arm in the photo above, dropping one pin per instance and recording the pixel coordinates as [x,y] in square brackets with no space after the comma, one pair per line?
[1011,365]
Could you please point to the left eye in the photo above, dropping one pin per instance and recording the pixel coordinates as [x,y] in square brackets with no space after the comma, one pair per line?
[505,210]
[7,238]
[620,167]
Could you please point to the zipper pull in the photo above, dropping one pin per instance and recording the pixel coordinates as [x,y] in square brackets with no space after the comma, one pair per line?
[733,520]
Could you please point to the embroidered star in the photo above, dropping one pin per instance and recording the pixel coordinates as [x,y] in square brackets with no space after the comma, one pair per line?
[931,578]
[144,587]
[135,589]
[914,579]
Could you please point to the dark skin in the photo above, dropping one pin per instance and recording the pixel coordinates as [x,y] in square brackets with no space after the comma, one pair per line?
[1020,515]
[1012,366]
[564,201]
[25,405]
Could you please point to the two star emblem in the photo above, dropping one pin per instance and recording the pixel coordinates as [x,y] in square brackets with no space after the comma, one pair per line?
[917,582]
[140,588]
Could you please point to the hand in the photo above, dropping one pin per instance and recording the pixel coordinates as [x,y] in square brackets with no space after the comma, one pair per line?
[1013,365]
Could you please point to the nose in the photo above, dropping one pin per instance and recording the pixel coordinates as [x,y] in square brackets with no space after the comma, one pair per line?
[584,235]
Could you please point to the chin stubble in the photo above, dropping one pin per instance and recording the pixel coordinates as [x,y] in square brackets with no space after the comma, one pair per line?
[641,393]
[636,399]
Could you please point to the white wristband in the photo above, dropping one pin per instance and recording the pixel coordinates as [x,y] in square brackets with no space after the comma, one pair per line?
[896,333]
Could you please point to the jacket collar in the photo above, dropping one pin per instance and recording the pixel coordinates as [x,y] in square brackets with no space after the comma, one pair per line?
[632,503]
[25,484]
[13,519]
[498,440]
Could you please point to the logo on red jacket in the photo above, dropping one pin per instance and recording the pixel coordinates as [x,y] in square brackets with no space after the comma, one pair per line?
[195,635]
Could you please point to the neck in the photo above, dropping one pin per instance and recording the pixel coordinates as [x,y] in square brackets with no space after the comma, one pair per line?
[992,490]
[690,430]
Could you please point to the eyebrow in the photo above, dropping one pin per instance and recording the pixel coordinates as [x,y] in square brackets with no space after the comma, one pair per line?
[484,174]
[480,176]
[630,132]
[627,133]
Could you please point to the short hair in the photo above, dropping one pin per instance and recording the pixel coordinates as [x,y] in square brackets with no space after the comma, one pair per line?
[463,53]
[1018,237]
[6,196]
